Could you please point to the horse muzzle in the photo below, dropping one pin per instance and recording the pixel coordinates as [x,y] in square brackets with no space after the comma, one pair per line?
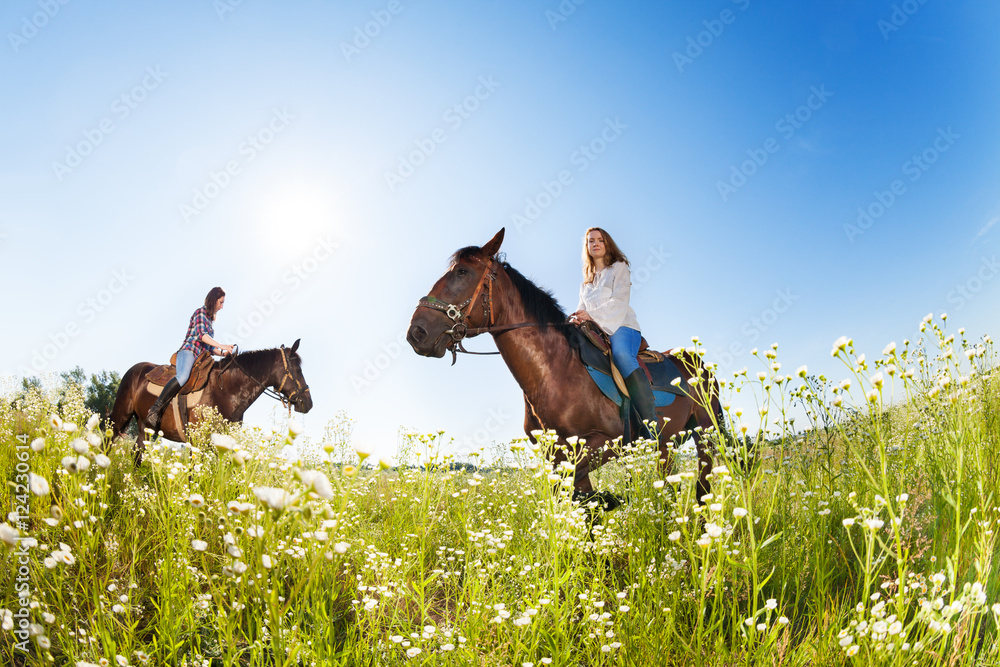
[303,405]
[425,344]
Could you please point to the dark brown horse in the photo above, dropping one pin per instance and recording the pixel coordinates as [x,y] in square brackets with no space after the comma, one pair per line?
[480,294]
[233,385]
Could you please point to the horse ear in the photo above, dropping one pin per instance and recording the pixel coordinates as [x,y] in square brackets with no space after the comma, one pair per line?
[295,345]
[493,247]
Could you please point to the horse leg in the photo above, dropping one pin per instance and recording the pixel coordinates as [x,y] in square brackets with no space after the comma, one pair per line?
[704,486]
[596,454]
[709,416]
[140,440]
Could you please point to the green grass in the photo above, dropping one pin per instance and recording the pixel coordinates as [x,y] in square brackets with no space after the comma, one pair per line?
[864,537]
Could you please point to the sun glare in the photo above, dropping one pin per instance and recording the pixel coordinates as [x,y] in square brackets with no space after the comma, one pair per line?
[293,216]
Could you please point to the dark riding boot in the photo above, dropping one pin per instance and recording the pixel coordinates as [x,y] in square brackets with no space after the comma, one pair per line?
[156,411]
[642,398]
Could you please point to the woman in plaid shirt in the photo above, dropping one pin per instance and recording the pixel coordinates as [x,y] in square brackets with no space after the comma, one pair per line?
[197,340]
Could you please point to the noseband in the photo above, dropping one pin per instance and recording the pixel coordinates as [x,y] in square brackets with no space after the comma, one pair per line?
[457,314]
[290,398]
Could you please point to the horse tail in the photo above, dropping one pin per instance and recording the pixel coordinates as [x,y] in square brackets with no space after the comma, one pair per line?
[706,411]
[707,392]
[743,450]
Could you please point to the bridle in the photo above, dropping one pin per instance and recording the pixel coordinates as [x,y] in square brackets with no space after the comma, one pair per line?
[286,401]
[457,313]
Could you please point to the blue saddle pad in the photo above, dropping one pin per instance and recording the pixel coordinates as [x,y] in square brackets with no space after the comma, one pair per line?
[608,387]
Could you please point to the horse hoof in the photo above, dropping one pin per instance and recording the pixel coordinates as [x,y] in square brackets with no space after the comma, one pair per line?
[611,502]
[605,500]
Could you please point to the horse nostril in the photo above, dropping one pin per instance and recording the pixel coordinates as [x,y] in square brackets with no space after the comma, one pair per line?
[417,334]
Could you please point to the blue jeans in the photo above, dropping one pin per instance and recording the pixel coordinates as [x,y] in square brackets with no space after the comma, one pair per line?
[185,360]
[624,348]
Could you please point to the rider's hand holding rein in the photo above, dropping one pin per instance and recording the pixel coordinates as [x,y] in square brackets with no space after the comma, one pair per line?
[218,349]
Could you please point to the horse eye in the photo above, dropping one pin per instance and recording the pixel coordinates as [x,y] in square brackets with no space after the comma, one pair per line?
[462,272]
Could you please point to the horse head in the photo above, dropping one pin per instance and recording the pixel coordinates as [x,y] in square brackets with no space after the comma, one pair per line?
[452,307]
[293,385]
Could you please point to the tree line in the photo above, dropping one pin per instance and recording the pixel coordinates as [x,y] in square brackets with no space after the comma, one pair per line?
[99,391]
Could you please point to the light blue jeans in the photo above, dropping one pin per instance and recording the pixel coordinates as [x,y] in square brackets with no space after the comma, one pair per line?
[624,348]
[185,361]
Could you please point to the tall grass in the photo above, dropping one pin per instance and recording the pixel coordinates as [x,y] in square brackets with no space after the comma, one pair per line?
[866,536]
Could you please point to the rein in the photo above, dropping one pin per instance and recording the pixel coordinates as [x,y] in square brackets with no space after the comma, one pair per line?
[286,401]
[457,314]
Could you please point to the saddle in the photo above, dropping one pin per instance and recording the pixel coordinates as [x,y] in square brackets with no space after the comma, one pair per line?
[161,375]
[661,371]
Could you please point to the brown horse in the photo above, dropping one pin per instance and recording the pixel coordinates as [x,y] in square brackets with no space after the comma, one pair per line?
[480,294]
[233,385]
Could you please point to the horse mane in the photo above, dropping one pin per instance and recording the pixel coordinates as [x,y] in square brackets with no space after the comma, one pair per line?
[256,362]
[539,303]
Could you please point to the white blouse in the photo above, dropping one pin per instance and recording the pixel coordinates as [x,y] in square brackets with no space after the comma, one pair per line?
[606,299]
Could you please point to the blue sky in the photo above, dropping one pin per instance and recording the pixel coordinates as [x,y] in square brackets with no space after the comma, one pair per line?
[150,152]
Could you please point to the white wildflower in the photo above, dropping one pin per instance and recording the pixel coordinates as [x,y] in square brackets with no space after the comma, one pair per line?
[222,442]
[9,534]
[274,497]
[317,481]
[38,484]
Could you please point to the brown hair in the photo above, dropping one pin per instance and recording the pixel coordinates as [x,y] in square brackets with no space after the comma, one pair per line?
[212,300]
[612,254]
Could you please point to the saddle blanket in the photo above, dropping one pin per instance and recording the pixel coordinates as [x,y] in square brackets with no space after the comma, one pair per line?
[608,387]
[179,404]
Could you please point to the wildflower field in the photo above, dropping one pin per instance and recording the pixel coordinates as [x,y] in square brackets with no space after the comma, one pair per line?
[864,536]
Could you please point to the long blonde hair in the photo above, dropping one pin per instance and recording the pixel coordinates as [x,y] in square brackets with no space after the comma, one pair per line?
[612,254]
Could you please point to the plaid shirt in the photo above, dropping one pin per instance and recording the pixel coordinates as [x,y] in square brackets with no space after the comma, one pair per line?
[199,326]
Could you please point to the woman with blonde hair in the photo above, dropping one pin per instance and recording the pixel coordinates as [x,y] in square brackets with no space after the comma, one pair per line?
[604,300]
